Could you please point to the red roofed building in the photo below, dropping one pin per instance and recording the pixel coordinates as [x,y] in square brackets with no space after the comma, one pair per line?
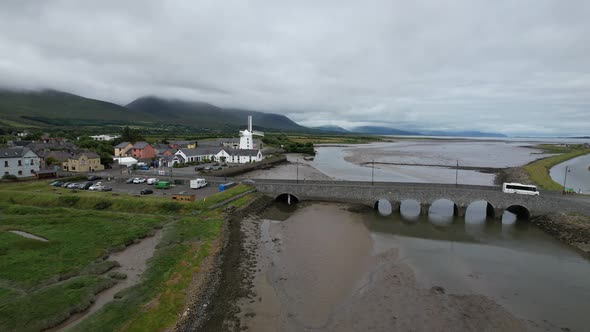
[142,150]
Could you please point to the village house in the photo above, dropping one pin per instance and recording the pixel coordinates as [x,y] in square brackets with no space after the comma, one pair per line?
[142,150]
[242,156]
[83,162]
[122,148]
[200,154]
[217,154]
[19,161]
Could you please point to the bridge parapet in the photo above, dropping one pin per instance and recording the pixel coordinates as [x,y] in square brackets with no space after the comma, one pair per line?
[425,194]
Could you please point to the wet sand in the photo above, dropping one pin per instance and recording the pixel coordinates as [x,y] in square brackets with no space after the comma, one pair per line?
[319,269]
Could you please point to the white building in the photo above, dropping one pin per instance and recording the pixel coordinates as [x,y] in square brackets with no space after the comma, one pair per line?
[246,141]
[104,137]
[217,154]
[126,161]
[19,161]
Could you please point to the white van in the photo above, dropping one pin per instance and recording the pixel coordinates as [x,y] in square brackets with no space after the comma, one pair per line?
[198,183]
[519,188]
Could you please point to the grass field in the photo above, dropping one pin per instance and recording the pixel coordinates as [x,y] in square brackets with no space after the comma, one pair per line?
[42,283]
[538,171]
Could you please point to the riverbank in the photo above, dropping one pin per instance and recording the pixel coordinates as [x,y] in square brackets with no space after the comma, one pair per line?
[233,278]
[538,171]
[571,229]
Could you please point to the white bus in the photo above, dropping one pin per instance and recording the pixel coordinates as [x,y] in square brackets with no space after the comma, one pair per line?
[519,188]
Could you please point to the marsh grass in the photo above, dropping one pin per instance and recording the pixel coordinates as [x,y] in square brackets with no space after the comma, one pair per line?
[42,283]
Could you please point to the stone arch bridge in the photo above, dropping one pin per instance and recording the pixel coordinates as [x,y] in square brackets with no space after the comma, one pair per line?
[425,194]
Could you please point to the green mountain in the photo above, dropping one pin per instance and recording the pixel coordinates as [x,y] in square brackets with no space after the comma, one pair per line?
[55,108]
[332,129]
[210,117]
[50,108]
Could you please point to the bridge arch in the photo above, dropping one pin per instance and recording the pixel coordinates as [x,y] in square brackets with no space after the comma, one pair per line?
[287,198]
[521,212]
[474,209]
[410,208]
[439,206]
[384,206]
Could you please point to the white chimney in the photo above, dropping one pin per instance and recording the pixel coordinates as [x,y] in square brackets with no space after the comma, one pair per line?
[250,123]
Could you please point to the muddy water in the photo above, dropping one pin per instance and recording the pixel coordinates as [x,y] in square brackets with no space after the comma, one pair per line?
[323,268]
[133,261]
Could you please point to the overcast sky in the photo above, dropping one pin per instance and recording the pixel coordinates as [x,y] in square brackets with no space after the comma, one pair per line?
[516,67]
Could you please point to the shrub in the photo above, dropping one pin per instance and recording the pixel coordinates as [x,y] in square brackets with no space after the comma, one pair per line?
[102,205]
[69,201]
[9,177]
[171,206]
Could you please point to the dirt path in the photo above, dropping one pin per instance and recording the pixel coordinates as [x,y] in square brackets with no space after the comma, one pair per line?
[133,262]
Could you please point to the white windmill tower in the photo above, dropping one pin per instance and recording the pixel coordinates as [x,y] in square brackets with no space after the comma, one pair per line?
[246,136]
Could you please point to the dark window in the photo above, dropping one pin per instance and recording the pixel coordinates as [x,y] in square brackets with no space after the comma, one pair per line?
[20,172]
[20,162]
[6,163]
[32,172]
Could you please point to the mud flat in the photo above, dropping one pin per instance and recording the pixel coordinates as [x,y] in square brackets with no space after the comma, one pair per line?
[331,276]
[295,167]
[132,263]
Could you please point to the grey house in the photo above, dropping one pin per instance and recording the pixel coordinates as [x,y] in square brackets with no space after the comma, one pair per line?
[19,161]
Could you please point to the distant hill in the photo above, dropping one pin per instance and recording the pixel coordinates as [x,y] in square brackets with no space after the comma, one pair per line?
[332,129]
[376,130]
[472,133]
[207,116]
[49,108]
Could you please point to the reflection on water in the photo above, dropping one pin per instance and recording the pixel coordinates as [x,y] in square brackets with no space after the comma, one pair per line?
[512,262]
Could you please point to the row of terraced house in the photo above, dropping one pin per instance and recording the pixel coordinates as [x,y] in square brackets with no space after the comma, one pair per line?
[28,158]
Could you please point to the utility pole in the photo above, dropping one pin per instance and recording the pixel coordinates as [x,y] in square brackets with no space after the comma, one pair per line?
[297,170]
[565,178]
[373,172]
[457,174]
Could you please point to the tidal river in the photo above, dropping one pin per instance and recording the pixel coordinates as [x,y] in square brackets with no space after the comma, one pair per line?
[330,267]
[578,174]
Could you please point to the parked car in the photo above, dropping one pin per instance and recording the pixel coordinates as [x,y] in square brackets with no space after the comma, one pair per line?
[146,191]
[66,184]
[138,180]
[106,189]
[144,168]
[162,185]
[96,186]
[56,183]
[248,181]
[130,180]
[75,186]
[93,177]
[152,181]
[86,185]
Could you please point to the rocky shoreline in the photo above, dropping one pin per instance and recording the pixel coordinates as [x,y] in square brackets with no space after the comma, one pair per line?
[222,280]
[571,229]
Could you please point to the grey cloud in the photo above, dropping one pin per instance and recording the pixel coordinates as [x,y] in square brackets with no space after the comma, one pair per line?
[507,66]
